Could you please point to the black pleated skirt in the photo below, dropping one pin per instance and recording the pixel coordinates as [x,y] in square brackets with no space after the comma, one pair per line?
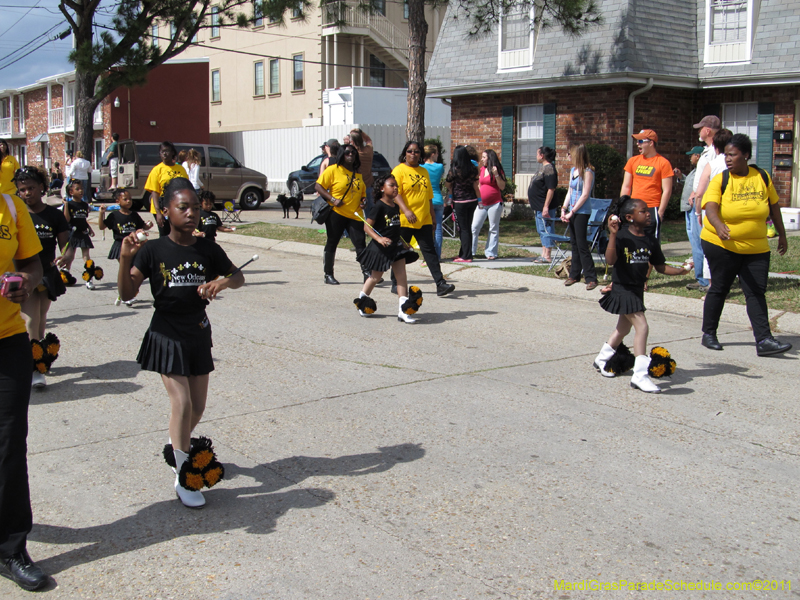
[623,300]
[80,240]
[177,345]
[113,254]
[52,282]
[380,258]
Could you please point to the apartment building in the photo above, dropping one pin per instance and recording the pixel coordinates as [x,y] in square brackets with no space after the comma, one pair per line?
[273,75]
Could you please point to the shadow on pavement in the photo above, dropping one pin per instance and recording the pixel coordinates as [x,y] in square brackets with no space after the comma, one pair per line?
[475,293]
[254,509]
[88,384]
[456,315]
[121,312]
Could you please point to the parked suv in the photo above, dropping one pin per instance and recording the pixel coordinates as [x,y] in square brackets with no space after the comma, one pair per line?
[304,179]
[219,172]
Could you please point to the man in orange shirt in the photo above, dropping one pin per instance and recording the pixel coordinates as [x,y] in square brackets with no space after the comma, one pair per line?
[649,177]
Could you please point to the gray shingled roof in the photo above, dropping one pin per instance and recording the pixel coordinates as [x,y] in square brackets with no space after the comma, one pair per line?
[638,37]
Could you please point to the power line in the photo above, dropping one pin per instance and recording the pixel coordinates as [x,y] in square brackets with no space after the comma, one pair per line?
[29,43]
[47,41]
[20,19]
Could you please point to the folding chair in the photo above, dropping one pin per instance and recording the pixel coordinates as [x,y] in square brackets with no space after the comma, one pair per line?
[449,222]
[594,231]
[230,213]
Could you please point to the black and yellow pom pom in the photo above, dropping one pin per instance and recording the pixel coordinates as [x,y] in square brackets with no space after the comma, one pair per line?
[86,276]
[37,350]
[661,363]
[414,301]
[51,345]
[92,271]
[67,278]
[41,367]
[366,305]
[88,264]
[98,273]
[622,361]
[202,467]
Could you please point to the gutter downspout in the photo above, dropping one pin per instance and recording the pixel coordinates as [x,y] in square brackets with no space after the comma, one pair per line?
[631,104]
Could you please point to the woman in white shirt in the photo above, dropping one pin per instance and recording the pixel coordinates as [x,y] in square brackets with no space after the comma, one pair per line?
[80,169]
[192,166]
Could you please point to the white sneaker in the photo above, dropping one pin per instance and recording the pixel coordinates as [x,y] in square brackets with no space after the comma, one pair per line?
[128,302]
[118,301]
[89,285]
[38,380]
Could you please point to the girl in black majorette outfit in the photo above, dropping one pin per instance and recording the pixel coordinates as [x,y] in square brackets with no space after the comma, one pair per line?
[122,223]
[186,273]
[387,251]
[630,251]
[76,212]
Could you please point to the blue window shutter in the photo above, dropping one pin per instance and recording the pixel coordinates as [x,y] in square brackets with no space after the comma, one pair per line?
[766,126]
[507,141]
[549,137]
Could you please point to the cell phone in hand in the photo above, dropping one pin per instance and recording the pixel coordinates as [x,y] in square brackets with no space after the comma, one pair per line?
[10,283]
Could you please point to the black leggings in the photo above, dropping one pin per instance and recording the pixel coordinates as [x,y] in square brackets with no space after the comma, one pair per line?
[753,272]
[424,236]
[335,226]
[16,369]
[464,213]
[581,255]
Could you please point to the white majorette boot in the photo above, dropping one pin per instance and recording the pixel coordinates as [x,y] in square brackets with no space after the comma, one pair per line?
[401,316]
[189,498]
[606,352]
[641,379]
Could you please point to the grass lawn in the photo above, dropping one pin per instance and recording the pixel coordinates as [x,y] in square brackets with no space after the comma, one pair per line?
[782,294]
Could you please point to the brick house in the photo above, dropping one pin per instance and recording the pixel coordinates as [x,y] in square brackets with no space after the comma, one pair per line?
[651,64]
[38,120]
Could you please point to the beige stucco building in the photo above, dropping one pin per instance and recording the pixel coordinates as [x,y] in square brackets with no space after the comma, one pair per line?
[273,75]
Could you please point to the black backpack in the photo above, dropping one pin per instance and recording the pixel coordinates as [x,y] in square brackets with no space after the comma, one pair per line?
[727,175]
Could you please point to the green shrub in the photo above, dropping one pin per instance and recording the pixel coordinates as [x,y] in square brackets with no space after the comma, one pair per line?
[609,167]
[674,208]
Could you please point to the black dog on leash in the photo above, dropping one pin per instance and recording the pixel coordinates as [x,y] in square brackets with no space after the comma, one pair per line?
[288,202]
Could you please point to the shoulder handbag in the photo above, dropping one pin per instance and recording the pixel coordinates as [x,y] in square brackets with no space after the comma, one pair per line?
[321,209]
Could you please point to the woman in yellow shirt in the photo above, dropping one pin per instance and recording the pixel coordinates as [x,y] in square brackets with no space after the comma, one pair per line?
[8,166]
[734,240]
[157,180]
[342,187]
[415,199]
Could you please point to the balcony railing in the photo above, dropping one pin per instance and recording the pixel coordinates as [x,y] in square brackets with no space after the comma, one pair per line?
[55,119]
[98,115]
[348,14]
[5,126]
[69,118]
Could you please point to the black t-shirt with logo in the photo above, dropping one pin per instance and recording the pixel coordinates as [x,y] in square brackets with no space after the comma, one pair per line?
[78,213]
[546,179]
[123,225]
[176,271]
[634,253]
[209,221]
[48,224]
[386,220]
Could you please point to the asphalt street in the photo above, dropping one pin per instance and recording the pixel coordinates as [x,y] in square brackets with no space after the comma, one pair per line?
[475,454]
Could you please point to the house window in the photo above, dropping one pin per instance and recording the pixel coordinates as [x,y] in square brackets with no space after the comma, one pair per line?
[274,76]
[215,22]
[258,14]
[530,136]
[742,118]
[297,11]
[405,9]
[297,70]
[516,40]
[729,30]
[377,72]
[380,7]
[258,78]
[173,30]
[99,148]
[154,36]
[215,87]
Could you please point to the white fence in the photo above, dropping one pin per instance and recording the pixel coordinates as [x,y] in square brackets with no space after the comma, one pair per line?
[278,152]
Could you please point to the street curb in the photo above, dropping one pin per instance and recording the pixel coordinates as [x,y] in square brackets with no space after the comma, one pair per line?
[735,314]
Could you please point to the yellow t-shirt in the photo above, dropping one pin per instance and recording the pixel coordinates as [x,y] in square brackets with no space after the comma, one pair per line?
[335,179]
[744,208]
[18,240]
[160,176]
[8,167]
[414,187]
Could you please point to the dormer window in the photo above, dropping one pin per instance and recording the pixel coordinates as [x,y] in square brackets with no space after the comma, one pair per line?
[729,30]
[516,40]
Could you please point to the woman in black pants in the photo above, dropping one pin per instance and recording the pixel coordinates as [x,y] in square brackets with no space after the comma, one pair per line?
[737,204]
[576,212]
[463,185]
[342,186]
[19,255]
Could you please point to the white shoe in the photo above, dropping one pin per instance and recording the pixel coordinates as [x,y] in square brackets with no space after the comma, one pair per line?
[89,285]
[189,498]
[600,361]
[641,380]
[361,312]
[128,302]
[401,316]
[118,301]
[38,380]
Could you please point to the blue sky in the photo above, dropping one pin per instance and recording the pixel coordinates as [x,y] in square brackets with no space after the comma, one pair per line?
[18,28]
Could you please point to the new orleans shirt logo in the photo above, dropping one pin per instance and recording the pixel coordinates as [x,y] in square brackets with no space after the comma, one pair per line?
[44,231]
[637,257]
[184,275]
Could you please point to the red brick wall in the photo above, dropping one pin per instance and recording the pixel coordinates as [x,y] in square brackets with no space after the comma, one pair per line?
[599,115]
[56,97]
[35,123]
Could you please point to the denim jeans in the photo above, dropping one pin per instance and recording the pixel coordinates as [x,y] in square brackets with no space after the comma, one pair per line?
[494,213]
[545,228]
[693,229]
[438,210]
